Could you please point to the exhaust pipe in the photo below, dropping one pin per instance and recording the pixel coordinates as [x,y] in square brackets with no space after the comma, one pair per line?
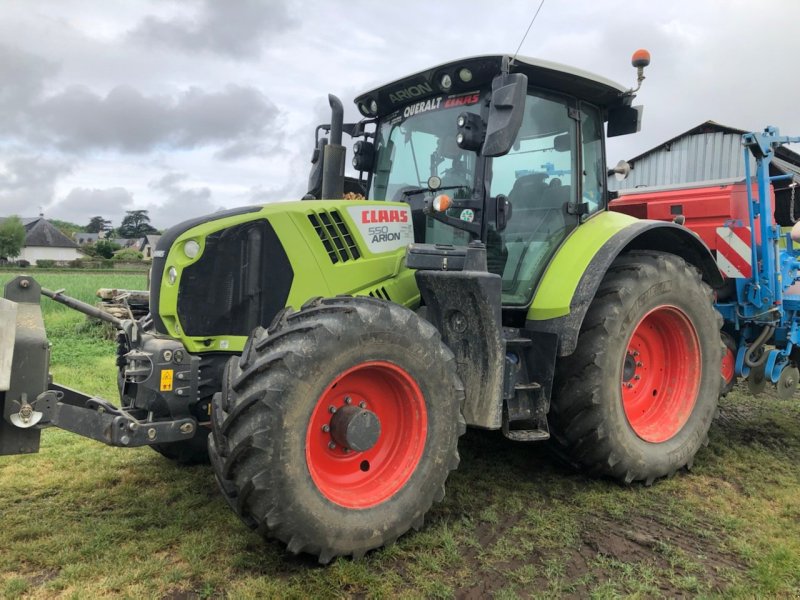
[334,154]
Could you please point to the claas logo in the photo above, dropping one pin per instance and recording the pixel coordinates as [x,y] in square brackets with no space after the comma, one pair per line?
[384,216]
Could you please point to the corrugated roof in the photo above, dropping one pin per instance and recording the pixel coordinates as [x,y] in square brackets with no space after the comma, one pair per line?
[714,127]
[706,152]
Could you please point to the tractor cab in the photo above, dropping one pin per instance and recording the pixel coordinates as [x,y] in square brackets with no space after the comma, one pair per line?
[506,151]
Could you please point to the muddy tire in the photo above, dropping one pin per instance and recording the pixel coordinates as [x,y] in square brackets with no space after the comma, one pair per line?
[336,429]
[635,400]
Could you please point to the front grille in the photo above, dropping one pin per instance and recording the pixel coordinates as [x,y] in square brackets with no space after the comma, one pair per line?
[242,280]
[334,235]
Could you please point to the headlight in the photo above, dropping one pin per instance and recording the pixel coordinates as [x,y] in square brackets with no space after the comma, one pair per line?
[172,275]
[191,249]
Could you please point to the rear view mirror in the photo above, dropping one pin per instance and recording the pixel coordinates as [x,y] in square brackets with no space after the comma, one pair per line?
[624,120]
[505,113]
[363,155]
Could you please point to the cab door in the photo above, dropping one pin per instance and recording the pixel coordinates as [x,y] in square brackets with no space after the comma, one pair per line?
[539,176]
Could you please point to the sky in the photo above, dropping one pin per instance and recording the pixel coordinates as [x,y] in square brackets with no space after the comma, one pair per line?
[185,107]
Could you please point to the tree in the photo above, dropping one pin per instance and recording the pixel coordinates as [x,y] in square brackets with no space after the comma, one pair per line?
[12,237]
[102,249]
[128,254]
[65,227]
[97,224]
[136,224]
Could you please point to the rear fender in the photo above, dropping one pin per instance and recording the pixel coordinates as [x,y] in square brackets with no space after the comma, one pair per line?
[560,309]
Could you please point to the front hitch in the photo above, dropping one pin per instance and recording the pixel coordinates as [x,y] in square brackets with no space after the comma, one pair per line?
[100,420]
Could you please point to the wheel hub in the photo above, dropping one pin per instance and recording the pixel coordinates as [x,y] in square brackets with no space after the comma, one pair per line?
[628,368]
[660,374]
[366,434]
[355,428]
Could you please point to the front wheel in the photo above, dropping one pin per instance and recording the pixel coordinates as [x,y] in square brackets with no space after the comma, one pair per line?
[637,397]
[336,429]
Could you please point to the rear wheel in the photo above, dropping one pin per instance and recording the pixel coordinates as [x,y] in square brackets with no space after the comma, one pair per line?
[636,398]
[336,429]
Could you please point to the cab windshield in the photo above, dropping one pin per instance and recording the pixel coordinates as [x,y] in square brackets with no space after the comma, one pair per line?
[418,142]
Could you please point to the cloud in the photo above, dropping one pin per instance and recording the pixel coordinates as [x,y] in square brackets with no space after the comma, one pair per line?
[235,28]
[170,185]
[78,120]
[23,76]
[28,182]
[80,204]
[292,190]
[181,202]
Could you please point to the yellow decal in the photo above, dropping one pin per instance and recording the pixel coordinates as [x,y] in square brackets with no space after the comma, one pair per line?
[166,380]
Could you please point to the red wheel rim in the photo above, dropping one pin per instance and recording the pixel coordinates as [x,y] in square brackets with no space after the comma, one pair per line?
[728,365]
[661,374]
[363,479]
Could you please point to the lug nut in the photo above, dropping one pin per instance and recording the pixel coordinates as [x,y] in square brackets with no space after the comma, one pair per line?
[331,445]
[362,404]
[331,409]
[637,377]
[636,353]
[639,363]
[326,428]
[348,400]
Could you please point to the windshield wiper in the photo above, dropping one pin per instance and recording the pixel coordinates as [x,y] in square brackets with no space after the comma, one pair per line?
[411,192]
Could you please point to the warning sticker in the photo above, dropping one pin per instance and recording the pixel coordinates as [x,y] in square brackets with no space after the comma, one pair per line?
[383,229]
[166,380]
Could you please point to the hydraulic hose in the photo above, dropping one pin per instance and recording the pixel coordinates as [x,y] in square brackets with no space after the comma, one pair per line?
[756,345]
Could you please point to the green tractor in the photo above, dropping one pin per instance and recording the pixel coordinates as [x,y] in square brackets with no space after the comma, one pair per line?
[327,354]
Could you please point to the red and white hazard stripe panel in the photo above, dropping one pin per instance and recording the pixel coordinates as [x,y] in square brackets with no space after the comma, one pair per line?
[733,251]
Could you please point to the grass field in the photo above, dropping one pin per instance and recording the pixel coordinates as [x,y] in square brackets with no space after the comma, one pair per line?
[84,520]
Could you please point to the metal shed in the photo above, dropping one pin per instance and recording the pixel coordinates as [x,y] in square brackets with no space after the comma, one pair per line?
[707,153]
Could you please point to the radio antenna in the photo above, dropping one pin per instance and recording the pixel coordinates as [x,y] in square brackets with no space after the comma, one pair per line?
[522,41]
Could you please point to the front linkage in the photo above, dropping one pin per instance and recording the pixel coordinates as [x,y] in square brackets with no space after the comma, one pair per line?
[157,379]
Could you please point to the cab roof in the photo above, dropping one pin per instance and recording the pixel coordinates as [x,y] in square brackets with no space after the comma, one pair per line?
[544,74]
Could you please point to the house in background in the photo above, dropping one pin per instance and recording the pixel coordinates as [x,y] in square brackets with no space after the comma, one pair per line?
[43,241]
[125,242]
[83,238]
[147,245]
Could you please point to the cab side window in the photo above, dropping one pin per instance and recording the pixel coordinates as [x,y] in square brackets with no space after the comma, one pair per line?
[592,163]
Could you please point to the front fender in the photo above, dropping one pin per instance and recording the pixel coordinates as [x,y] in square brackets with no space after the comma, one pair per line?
[573,276]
